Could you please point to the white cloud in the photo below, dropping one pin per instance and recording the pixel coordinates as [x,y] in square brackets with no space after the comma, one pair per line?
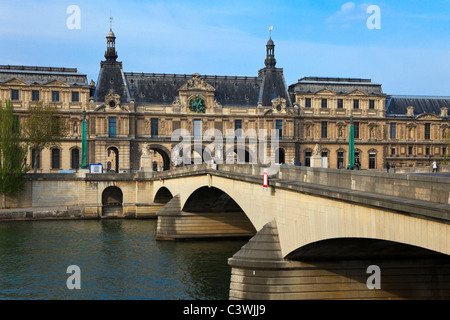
[349,12]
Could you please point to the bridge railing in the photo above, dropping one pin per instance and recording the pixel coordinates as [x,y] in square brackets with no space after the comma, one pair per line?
[427,188]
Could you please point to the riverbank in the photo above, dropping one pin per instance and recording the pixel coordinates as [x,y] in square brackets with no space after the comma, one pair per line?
[42,213]
[58,213]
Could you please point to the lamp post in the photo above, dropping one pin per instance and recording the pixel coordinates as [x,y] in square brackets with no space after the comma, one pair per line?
[351,145]
[84,164]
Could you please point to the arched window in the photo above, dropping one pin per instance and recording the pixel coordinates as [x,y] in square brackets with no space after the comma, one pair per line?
[56,158]
[35,159]
[75,158]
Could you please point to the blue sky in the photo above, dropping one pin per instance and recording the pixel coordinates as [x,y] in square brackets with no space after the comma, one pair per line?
[410,54]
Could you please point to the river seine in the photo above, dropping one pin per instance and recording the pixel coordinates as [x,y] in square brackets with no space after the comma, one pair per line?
[118,259]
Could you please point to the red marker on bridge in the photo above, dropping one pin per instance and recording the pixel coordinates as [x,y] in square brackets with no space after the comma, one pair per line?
[265,180]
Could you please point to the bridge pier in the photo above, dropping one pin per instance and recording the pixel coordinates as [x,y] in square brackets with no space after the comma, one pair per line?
[259,272]
[175,224]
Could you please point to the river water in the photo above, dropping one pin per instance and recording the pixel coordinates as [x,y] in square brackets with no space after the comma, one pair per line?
[117,259]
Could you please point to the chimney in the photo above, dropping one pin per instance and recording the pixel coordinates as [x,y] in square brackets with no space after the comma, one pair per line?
[410,112]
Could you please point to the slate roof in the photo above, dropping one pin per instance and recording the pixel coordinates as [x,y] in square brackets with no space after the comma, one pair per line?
[396,105]
[42,75]
[337,85]
[153,88]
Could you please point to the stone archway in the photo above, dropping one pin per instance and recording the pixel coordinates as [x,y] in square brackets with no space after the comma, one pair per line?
[112,159]
[164,153]
[112,201]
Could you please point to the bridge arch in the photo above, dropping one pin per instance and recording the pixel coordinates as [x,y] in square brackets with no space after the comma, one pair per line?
[206,212]
[112,201]
[163,195]
[360,249]
[210,199]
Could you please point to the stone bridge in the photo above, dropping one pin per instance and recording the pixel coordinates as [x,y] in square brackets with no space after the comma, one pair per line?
[314,233]
[317,231]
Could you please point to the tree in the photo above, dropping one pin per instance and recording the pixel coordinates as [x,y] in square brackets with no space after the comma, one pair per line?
[44,128]
[13,152]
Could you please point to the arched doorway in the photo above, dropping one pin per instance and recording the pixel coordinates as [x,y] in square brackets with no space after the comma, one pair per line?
[112,201]
[161,156]
[112,159]
[280,156]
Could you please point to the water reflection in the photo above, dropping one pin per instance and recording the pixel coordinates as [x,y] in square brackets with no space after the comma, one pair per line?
[119,259]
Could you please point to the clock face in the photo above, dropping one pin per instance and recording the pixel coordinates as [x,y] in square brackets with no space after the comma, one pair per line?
[197,105]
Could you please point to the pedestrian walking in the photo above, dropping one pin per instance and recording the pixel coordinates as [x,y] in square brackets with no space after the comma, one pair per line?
[388,166]
[435,166]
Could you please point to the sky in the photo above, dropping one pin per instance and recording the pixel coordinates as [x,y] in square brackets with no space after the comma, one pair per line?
[408,52]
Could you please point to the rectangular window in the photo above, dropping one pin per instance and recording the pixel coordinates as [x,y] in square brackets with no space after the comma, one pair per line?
[112,127]
[308,158]
[14,94]
[55,158]
[356,129]
[427,151]
[410,150]
[393,151]
[75,96]
[444,151]
[356,104]
[324,103]
[154,127]
[372,160]
[16,124]
[35,159]
[340,159]
[55,96]
[427,131]
[279,127]
[197,128]
[75,162]
[308,103]
[35,95]
[371,104]
[340,103]
[238,128]
[324,129]
[393,132]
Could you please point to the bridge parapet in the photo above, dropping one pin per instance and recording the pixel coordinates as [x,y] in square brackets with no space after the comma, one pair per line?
[417,187]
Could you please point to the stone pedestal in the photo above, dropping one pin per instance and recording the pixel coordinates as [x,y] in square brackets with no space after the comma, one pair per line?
[146,163]
[316,161]
[82,173]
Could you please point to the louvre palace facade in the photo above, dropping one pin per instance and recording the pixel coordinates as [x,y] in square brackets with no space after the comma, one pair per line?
[129,114]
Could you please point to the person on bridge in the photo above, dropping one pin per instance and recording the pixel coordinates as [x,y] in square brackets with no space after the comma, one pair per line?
[388,166]
[435,166]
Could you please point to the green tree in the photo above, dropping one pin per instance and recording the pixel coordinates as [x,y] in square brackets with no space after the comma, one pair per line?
[13,153]
[44,128]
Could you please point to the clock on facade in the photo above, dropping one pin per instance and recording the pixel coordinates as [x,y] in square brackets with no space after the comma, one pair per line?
[197,105]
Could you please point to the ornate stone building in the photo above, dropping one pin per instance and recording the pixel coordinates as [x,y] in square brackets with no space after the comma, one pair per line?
[133,113]
[130,110]
[63,87]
